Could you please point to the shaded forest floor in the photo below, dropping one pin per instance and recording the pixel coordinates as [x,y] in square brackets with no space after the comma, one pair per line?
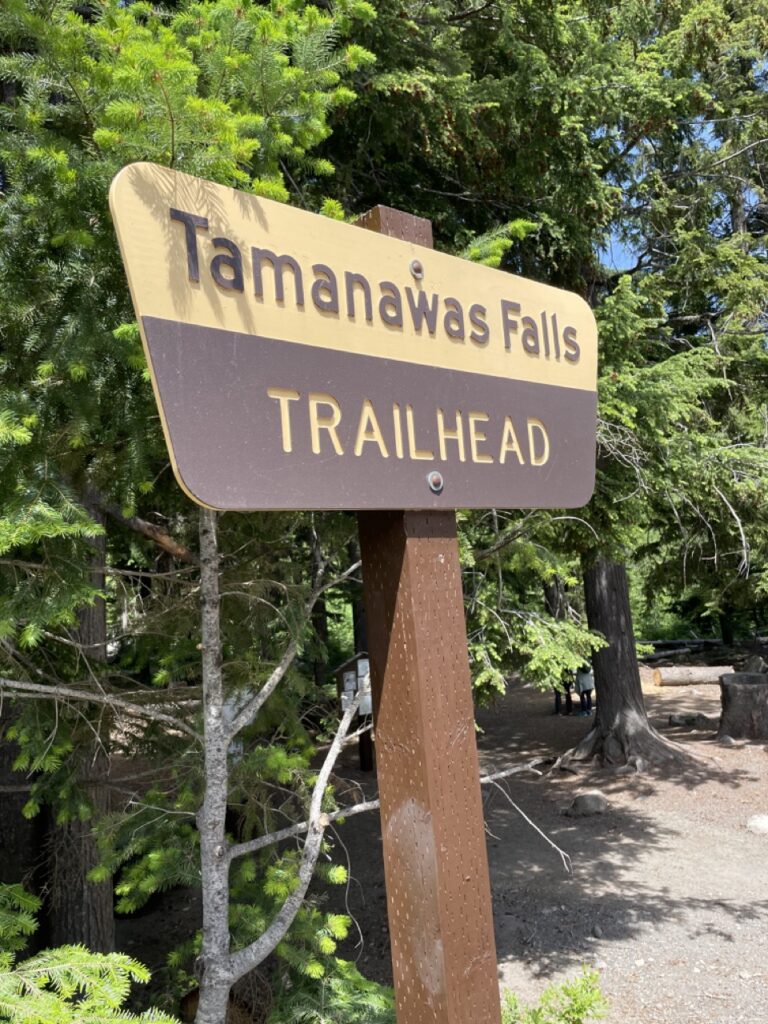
[668,898]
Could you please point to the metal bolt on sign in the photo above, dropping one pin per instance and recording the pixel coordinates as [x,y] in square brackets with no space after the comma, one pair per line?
[435,481]
[435,859]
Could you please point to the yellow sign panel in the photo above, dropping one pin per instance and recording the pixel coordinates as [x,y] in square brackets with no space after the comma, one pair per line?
[209,255]
[302,362]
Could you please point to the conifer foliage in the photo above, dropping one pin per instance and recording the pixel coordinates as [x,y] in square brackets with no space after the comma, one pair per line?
[239,93]
[67,985]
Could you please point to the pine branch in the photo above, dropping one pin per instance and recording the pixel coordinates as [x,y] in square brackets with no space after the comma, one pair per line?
[454,19]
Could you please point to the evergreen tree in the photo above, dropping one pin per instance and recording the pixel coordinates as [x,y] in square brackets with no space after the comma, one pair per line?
[639,129]
[239,93]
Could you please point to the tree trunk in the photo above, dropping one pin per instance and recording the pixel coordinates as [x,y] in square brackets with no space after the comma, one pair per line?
[555,597]
[556,602]
[355,596]
[216,976]
[727,628]
[81,911]
[320,626]
[622,733]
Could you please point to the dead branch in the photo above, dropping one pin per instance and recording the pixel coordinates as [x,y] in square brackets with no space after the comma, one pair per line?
[507,538]
[65,694]
[161,537]
[744,563]
[246,715]
[563,855]
[291,831]
[252,955]
[739,152]
[459,16]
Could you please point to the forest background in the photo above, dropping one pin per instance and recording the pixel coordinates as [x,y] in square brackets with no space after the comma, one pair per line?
[615,150]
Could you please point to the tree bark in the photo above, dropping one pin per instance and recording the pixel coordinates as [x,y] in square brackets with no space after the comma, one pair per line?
[216,977]
[218,967]
[81,911]
[727,628]
[320,626]
[622,733]
[355,591]
[555,597]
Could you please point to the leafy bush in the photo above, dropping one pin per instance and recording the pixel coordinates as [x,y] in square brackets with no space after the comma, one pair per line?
[574,1002]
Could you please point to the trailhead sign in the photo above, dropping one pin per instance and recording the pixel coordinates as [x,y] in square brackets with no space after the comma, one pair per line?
[302,363]
[299,362]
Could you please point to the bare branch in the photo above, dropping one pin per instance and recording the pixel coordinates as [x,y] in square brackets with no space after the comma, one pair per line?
[246,959]
[64,694]
[563,855]
[161,537]
[454,19]
[291,831]
[744,563]
[739,152]
[246,715]
[487,780]
[517,531]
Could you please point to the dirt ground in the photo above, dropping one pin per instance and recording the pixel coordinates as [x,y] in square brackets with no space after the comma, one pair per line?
[668,895]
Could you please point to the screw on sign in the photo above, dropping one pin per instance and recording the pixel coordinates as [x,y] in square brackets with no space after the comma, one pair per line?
[299,362]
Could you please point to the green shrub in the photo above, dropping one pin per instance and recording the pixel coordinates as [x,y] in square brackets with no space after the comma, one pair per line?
[574,1002]
[343,996]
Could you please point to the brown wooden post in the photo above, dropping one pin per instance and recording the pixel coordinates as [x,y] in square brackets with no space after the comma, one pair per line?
[435,859]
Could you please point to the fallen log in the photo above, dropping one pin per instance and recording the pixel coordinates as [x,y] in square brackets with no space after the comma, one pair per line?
[690,675]
[667,654]
[691,641]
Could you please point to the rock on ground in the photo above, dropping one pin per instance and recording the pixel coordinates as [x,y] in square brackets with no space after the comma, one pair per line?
[586,804]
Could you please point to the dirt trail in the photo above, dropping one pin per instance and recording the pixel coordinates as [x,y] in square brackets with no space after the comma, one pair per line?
[668,897]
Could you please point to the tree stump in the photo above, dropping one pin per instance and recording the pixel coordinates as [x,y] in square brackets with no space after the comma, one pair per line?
[744,697]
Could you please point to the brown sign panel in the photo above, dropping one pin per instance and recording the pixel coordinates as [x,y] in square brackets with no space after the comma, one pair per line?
[300,362]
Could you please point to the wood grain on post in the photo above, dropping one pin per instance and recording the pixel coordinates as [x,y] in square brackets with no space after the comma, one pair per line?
[435,859]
